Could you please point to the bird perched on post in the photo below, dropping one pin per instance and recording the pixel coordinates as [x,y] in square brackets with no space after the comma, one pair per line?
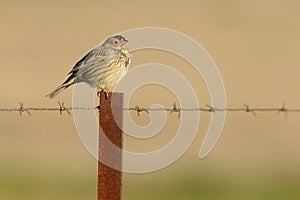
[102,67]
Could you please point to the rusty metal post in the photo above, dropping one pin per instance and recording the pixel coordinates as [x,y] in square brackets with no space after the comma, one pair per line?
[110,120]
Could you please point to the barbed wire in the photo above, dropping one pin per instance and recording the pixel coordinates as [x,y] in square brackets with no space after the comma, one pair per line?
[138,109]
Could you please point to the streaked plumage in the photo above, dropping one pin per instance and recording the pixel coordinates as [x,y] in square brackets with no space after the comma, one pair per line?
[102,67]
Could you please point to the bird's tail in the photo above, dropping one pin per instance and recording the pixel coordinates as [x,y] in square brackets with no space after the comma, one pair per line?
[59,89]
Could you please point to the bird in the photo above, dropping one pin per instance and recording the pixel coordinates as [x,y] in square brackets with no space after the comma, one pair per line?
[101,68]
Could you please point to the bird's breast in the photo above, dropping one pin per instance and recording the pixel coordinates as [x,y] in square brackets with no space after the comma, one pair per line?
[115,71]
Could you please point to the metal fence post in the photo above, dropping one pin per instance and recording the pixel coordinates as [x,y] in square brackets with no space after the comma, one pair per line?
[110,121]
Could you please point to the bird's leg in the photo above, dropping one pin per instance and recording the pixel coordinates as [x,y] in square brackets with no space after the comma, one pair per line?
[105,90]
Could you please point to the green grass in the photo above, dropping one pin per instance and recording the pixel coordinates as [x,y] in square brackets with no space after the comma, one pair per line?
[57,186]
[48,184]
[212,187]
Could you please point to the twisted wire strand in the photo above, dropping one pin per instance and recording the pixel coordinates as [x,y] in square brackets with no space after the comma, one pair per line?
[21,109]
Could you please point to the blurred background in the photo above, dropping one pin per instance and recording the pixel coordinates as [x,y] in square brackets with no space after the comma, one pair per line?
[255,45]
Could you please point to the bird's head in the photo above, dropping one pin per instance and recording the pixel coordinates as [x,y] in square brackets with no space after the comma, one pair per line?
[117,42]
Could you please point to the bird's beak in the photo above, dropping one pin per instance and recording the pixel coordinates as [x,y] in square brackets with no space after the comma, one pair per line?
[123,42]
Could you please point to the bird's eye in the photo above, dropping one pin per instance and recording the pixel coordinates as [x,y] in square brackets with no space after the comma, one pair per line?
[116,42]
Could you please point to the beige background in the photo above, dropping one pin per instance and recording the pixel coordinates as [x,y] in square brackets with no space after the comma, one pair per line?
[255,45]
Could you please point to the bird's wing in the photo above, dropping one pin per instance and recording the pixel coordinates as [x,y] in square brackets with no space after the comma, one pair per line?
[83,60]
[100,56]
[98,61]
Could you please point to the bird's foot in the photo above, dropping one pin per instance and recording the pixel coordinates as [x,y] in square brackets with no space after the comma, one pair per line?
[104,90]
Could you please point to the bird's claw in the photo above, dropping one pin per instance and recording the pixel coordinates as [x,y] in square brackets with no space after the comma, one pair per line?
[105,91]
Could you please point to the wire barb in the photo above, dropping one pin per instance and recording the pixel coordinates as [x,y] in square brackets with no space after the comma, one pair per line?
[98,108]
[248,109]
[176,109]
[22,109]
[62,108]
[210,108]
[139,110]
[283,109]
